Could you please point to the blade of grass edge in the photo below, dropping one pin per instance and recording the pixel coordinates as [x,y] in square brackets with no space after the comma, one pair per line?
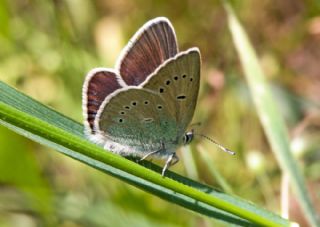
[269,115]
[157,190]
[183,191]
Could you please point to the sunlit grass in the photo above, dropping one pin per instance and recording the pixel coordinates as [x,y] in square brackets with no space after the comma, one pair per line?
[47,47]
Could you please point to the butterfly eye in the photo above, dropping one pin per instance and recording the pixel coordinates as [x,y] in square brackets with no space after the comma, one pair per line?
[187,138]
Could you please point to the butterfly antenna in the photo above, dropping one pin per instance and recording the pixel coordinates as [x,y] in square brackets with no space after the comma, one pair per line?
[195,124]
[218,144]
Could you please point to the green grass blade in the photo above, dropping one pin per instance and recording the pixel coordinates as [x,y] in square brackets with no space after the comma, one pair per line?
[44,125]
[269,115]
[207,159]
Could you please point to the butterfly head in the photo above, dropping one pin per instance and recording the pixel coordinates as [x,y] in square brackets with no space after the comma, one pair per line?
[187,137]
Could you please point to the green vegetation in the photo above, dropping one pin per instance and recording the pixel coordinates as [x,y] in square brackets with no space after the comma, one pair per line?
[48,46]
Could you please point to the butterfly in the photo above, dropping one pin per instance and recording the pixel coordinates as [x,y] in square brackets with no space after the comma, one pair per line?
[143,107]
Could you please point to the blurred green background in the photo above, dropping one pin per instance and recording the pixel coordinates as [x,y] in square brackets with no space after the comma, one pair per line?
[46,49]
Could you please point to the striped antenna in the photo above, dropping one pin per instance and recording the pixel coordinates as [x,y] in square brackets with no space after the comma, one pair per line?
[216,143]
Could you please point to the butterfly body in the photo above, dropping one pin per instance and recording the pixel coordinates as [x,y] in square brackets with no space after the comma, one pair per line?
[144,106]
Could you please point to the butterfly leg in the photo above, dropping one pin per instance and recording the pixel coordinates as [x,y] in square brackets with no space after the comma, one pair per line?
[175,159]
[172,160]
[153,152]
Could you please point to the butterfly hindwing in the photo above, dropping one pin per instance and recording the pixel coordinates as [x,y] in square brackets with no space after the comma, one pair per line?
[137,117]
[99,83]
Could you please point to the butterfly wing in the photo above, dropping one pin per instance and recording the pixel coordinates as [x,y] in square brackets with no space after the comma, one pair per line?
[177,82]
[138,118]
[149,47]
[152,44]
[146,116]
[99,83]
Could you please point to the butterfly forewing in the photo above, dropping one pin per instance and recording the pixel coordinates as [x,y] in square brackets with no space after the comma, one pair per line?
[154,43]
[177,82]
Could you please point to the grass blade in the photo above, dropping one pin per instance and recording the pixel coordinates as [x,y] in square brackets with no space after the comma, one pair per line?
[269,115]
[206,158]
[44,125]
